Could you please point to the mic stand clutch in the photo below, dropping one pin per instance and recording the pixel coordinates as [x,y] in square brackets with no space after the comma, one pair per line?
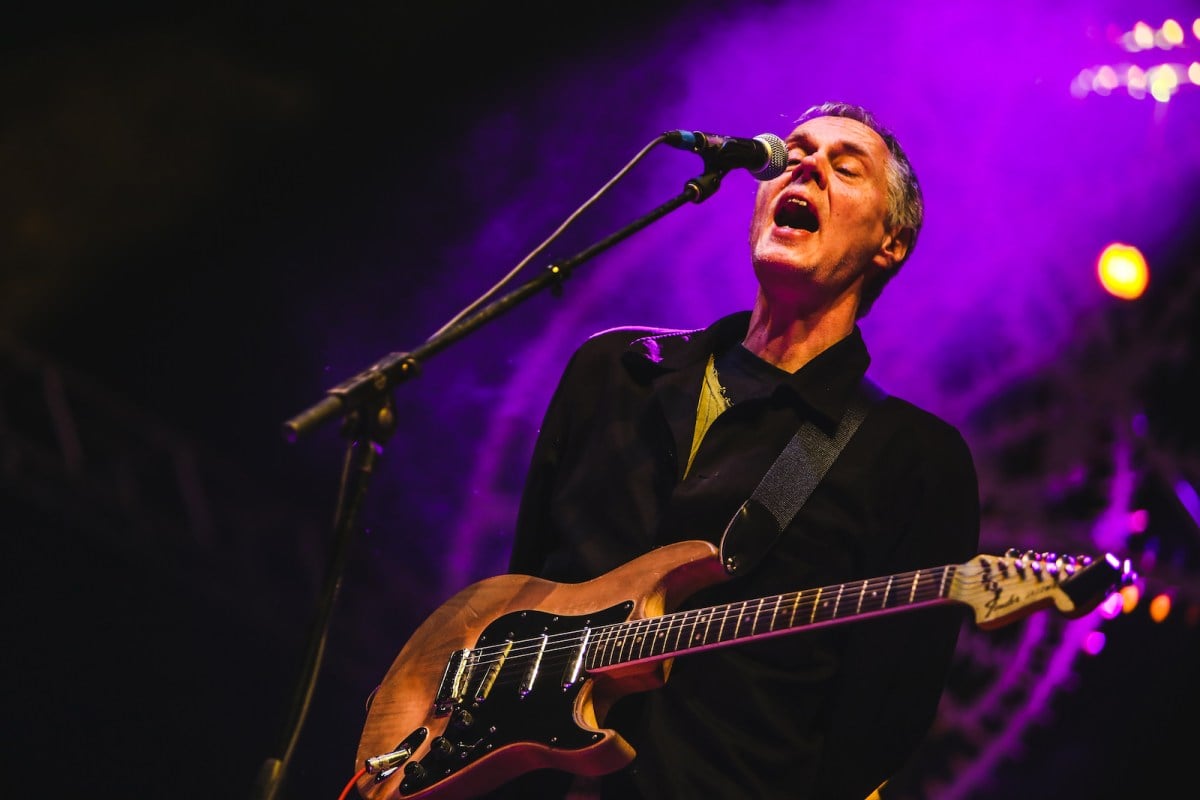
[365,401]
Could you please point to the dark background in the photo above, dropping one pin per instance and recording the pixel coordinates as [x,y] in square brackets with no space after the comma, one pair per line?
[212,216]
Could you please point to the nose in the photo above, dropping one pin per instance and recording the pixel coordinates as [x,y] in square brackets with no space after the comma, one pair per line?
[810,168]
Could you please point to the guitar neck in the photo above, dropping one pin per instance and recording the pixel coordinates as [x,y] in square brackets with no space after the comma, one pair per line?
[696,630]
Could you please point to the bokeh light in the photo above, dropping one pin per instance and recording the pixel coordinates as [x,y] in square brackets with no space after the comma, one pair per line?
[1130,595]
[1093,642]
[1172,33]
[1122,271]
[1160,607]
[1112,606]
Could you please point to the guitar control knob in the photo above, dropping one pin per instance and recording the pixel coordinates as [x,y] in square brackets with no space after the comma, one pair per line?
[462,720]
[442,747]
[415,770]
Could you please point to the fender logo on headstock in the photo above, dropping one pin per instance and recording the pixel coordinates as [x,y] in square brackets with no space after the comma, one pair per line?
[1003,601]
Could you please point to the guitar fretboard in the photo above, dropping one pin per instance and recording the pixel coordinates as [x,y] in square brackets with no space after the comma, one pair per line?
[707,628]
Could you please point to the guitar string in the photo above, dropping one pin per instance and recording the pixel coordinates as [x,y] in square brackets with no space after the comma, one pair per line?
[655,632]
[928,588]
[555,658]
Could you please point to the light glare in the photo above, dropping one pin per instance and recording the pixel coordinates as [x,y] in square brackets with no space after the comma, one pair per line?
[1160,607]
[1163,83]
[1122,271]
[1172,33]
[1143,35]
[1130,595]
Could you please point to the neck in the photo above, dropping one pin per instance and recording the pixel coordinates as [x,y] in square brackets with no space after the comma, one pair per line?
[789,337]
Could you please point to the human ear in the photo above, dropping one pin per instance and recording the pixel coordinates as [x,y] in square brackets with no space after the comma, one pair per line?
[894,248]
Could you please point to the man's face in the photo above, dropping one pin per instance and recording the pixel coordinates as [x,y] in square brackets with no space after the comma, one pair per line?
[818,227]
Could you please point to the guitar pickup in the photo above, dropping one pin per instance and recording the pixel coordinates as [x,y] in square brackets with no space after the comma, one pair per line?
[534,665]
[492,672]
[575,668]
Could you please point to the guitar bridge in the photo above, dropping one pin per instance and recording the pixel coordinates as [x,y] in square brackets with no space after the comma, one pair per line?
[454,682]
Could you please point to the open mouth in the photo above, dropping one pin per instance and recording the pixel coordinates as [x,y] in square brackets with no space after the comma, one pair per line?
[796,213]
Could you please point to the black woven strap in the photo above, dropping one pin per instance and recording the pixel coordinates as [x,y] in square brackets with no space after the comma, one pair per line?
[788,483]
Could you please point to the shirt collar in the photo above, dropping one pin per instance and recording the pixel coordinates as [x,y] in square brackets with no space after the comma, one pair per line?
[824,384]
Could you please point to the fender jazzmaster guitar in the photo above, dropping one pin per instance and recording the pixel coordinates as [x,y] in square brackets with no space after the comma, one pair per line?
[516,673]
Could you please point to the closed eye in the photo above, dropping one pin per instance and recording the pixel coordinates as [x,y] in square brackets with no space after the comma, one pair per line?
[848,167]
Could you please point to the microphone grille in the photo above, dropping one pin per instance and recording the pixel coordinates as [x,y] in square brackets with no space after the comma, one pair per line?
[777,157]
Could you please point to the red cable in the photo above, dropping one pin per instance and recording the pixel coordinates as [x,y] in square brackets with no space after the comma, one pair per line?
[346,792]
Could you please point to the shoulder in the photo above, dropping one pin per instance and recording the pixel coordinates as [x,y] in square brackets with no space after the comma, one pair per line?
[638,337]
[918,429]
[637,342]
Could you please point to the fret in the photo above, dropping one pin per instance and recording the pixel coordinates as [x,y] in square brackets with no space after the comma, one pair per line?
[696,617]
[647,630]
[601,650]
[655,635]
[610,644]
[649,638]
[756,617]
[613,648]
[795,606]
[683,621]
[625,641]
[707,626]
[675,624]
[662,629]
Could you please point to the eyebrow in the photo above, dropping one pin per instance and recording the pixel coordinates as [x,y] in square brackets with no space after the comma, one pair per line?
[845,145]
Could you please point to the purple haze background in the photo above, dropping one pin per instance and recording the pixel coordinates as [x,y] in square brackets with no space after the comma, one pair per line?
[1023,184]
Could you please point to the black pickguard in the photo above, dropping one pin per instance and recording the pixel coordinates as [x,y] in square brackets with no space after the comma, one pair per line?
[506,714]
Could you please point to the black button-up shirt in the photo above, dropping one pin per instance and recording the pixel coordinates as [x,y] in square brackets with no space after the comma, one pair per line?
[826,713]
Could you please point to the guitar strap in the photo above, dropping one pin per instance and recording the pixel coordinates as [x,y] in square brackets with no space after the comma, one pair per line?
[788,483]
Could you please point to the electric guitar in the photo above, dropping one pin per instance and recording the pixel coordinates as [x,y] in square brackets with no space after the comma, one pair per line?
[516,673]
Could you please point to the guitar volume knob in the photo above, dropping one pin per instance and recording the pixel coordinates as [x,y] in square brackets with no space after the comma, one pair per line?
[442,747]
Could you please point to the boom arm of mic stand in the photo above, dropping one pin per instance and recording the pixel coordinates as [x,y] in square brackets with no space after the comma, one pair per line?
[395,368]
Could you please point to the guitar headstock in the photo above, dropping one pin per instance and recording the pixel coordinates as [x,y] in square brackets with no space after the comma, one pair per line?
[1004,589]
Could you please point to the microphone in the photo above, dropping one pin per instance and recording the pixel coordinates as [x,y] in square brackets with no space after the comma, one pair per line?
[765,155]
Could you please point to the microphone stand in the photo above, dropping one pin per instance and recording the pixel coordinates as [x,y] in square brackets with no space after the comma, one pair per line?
[366,403]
